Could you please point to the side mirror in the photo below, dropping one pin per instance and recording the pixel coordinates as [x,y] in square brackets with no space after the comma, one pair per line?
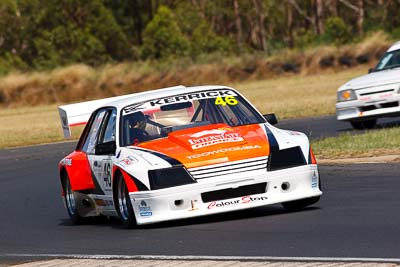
[271,118]
[107,148]
[371,70]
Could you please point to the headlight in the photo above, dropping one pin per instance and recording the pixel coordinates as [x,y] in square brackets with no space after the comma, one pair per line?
[169,177]
[286,158]
[346,95]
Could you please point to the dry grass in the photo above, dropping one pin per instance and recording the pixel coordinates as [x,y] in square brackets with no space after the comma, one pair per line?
[298,96]
[31,125]
[288,97]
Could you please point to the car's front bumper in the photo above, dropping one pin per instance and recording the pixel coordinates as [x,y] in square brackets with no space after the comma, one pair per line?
[186,201]
[375,107]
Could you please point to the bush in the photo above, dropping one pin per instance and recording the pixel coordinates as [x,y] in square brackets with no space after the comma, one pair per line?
[396,33]
[10,62]
[163,38]
[304,38]
[336,31]
[48,34]
[205,41]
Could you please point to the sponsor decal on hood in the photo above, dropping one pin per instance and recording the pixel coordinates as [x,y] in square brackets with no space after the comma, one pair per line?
[223,150]
[213,137]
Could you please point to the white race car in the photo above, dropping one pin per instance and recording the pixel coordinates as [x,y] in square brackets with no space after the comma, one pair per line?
[181,152]
[364,99]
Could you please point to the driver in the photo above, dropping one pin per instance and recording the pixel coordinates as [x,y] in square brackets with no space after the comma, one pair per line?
[137,125]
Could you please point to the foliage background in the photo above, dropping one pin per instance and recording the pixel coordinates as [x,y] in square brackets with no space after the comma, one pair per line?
[45,34]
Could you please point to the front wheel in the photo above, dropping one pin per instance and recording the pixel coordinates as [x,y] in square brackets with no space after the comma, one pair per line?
[360,125]
[301,203]
[123,203]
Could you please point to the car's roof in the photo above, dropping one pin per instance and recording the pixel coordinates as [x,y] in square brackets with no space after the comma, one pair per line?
[395,46]
[165,92]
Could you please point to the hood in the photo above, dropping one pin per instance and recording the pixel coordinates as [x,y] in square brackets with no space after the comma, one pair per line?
[212,144]
[378,78]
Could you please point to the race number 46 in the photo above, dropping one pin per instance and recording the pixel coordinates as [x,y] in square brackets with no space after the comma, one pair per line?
[228,100]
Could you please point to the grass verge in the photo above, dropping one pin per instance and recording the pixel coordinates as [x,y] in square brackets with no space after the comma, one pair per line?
[372,143]
[31,125]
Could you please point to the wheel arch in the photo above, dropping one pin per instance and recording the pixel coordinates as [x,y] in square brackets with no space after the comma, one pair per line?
[63,176]
[129,180]
[116,174]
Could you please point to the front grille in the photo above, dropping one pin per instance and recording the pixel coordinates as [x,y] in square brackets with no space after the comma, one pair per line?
[377,92]
[378,106]
[241,166]
[390,104]
[241,191]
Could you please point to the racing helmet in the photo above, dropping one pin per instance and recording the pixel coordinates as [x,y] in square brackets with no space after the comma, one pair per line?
[137,120]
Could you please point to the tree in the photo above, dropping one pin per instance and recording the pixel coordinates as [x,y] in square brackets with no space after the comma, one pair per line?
[319,16]
[259,7]
[359,9]
[162,37]
[238,23]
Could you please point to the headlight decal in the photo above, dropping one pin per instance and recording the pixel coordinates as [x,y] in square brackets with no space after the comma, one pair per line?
[286,158]
[169,177]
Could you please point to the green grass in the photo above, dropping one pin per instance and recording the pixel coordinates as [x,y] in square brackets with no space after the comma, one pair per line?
[372,143]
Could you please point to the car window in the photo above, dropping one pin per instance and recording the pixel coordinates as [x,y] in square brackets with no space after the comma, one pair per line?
[389,60]
[158,118]
[109,132]
[91,138]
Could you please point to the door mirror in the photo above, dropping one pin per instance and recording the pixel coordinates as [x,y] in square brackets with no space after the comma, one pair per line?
[271,118]
[107,148]
[371,70]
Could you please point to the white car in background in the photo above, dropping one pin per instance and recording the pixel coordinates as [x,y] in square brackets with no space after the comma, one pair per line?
[375,95]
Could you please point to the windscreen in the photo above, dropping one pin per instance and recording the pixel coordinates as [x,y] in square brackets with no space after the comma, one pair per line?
[158,117]
[389,60]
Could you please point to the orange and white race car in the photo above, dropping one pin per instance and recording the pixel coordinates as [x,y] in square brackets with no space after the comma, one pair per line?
[182,152]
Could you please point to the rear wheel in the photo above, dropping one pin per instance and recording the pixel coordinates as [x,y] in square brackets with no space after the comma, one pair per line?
[123,203]
[360,125]
[299,204]
[70,201]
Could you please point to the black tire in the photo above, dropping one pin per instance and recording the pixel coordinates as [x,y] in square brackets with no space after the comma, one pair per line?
[70,201]
[300,204]
[360,125]
[123,203]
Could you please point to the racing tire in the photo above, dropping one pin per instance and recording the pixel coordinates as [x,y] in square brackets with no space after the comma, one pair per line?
[361,125]
[300,204]
[123,203]
[70,201]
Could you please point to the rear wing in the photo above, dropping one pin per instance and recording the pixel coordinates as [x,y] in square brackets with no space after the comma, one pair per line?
[79,113]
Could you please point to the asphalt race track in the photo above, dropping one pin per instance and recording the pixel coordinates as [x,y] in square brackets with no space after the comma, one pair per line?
[358,215]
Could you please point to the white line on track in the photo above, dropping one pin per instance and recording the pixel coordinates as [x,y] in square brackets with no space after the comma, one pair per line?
[221,258]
